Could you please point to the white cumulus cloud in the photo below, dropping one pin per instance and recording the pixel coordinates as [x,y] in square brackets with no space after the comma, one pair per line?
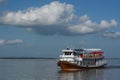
[55,18]
[10,42]
[112,35]
[87,26]
[2,42]
[16,41]
[53,13]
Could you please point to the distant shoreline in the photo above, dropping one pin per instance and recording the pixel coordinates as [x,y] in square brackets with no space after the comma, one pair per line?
[25,58]
[39,58]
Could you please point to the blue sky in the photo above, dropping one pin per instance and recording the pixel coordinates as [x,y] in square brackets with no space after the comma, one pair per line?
[41,28]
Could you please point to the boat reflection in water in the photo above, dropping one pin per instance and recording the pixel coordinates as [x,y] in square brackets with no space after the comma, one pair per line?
[89,74]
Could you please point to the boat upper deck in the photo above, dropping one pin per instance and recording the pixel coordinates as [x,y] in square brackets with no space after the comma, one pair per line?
[84,53]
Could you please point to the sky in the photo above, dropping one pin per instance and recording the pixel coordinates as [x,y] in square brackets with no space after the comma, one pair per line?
[42,28]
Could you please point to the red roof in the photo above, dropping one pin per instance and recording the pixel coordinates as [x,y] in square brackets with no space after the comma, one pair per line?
[98,52]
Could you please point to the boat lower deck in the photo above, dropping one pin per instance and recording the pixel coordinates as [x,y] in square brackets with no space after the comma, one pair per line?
[68,66]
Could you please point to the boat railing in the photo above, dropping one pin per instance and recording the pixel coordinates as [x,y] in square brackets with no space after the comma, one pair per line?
[100,62]
[66,58]
[92,56]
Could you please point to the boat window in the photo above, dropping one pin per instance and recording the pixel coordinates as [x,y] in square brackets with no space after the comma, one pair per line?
[67,53]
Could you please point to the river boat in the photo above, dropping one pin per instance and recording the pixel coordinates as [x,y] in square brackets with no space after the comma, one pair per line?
[72,59]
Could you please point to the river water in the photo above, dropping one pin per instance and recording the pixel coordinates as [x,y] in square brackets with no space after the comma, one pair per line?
[47,69]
